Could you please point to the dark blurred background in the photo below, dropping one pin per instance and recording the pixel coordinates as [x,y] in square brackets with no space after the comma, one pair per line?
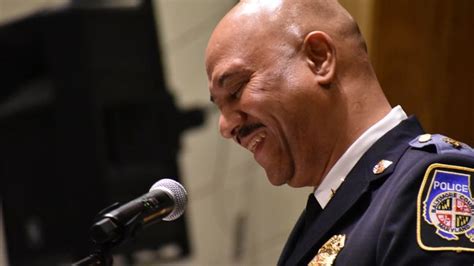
[423,54]
[87,119]
[97,102]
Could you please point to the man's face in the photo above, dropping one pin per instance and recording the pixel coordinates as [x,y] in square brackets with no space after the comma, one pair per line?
[271,104]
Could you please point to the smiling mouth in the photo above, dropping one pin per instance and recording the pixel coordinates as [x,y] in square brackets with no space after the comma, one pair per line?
[253,143]
[245,131]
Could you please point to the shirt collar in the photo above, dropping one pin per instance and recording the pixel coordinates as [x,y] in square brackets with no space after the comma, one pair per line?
[351,156]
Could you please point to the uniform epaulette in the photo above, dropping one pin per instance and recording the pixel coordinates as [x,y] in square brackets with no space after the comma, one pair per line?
[441,144]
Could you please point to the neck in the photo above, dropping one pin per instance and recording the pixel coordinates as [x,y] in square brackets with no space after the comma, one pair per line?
[365,106]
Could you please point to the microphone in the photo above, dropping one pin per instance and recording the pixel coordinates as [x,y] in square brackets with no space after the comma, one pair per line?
[165,201]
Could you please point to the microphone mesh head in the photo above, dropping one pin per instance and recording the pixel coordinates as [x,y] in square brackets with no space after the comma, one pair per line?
[177,193]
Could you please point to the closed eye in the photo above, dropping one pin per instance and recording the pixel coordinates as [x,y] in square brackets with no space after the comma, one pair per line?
[237,93]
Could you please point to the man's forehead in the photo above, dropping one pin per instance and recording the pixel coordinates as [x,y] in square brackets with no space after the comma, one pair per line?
[225,70]
[237,38]
[219,59]
[239,35]
[227,47]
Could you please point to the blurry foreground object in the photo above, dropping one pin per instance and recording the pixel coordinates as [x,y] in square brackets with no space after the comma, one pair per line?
[86,120]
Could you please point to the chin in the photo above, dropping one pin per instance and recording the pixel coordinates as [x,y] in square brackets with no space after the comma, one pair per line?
[280,176]
[275,178]
[295,184]
[276,182]
[298,181]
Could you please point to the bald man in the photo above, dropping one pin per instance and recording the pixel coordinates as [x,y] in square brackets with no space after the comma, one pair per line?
[295,87]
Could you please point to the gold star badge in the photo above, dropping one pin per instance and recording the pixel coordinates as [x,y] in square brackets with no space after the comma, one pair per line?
[328,252]
[381,166]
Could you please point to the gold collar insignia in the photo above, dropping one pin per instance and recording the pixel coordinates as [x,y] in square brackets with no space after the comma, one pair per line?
[328,252]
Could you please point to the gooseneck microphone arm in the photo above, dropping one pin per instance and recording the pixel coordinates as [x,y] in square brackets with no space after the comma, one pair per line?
[117,223]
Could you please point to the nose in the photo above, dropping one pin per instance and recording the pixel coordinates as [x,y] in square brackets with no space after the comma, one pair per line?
[229,123]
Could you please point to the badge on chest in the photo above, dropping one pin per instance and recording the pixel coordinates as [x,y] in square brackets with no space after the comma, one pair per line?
[328,252]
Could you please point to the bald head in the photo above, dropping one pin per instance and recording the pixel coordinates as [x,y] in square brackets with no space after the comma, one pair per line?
[294,85]
[298,18]
[288,23]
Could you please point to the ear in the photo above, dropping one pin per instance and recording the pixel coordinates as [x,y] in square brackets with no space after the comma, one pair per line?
[321,56]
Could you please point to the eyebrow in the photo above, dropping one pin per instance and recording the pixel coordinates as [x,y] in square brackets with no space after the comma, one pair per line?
[223,78]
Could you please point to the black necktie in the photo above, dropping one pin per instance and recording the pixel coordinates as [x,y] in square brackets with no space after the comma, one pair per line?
[311,212]
[313,209]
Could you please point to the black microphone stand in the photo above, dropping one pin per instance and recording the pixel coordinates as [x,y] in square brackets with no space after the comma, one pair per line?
[99,257]
[106,236]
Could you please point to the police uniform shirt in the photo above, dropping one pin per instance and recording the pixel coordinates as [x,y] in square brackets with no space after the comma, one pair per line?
[397,196]
[343,166]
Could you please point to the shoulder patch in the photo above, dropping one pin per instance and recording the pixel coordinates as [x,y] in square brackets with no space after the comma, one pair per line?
[445,209]
[441,144]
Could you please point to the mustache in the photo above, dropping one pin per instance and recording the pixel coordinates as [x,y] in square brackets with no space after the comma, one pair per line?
[246,130]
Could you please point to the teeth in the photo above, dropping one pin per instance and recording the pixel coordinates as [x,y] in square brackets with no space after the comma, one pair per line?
[256,140]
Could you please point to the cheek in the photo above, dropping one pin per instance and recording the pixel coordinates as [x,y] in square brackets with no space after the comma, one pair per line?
[260,102]
[280,104]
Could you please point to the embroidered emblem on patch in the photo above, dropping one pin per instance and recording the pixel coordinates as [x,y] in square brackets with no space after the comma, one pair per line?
[445,218]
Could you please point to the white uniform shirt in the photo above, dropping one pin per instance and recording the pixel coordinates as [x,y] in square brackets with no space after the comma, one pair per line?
[344,165]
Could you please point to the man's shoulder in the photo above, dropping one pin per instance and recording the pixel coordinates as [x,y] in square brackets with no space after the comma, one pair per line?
[431,149]
[440,186]
[428,153]
[440,144]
